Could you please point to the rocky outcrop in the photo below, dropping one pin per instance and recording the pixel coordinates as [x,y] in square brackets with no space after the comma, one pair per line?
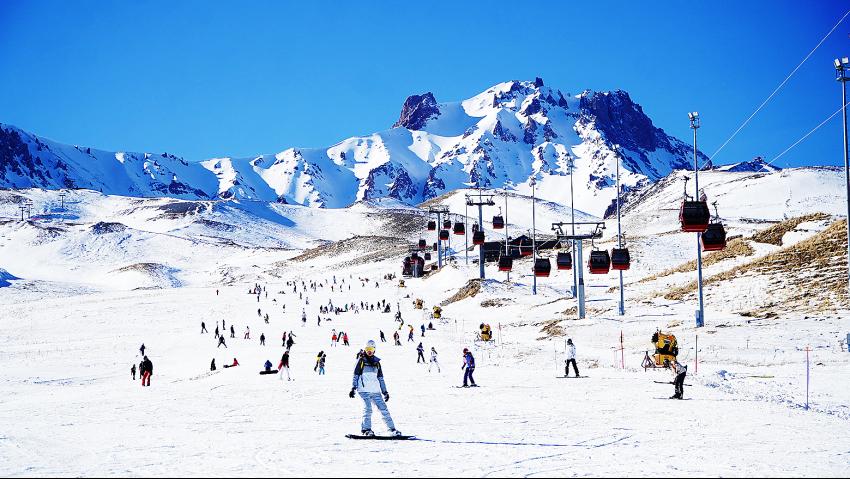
[416,112]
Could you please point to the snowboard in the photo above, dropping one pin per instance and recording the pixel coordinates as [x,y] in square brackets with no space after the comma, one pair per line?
[466,387]
[571,377]
[273,371]
[670,382]
[381,438]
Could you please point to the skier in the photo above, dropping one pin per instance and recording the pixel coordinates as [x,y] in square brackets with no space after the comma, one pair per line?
[268,366]
[133,371]
[142,350]
[147,371]
[420,350]
[203,328]
[247,332]
[234,364]
[318,360]
[216,292]
[232,332]
[289,342]
[222,325]
[284,366]
[397,338]
[369,383]
[469,365]
[333,339]
[262,339]
[383,338]
[679,370]
[571,358]
[322,364]
[303,318]
[345,339]
[283,340]
[410,334]
[212,365]
[433,360]
[422,327]
[221,342]
[216,330]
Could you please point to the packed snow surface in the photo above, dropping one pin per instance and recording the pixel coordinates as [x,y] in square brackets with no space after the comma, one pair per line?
[105,274]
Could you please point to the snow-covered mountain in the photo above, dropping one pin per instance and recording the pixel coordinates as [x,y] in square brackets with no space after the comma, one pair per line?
[500,138]
[756,165]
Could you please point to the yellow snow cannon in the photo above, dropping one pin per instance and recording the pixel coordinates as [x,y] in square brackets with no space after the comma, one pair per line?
[666,349]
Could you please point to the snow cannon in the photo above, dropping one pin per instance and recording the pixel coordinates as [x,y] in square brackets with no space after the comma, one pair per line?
[486,334]
[666,349]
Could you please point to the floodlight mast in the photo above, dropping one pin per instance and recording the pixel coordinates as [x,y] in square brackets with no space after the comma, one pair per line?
[695,124]
[841,66]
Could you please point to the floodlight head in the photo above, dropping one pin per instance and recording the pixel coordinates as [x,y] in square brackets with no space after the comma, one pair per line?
[845,60]
[690,116]
[695,115]
[837,63]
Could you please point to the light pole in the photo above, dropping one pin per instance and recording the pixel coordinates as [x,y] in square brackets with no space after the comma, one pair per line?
[841,66]
[573,212]
[620,235]
[695,124]
[533,236]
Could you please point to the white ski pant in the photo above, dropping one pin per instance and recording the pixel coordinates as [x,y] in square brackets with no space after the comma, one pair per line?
[378,399]
[434,363]
[281,373]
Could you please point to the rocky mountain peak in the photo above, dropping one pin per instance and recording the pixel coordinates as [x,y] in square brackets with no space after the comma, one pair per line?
[417,110]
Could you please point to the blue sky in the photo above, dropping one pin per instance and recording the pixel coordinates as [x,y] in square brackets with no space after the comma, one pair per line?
[204,78]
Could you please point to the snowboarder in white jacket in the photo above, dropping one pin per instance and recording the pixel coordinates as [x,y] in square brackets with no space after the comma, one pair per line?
[571,358]
[369,383]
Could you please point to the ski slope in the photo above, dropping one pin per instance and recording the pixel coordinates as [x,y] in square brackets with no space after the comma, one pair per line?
[84,293]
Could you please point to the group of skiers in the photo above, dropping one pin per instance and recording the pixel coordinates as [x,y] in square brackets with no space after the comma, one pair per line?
[145,369]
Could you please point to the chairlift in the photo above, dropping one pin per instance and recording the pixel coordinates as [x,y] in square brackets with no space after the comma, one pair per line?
[498,222]
[478,238]
[432,225]
[620,259]
[447,224]
[526,248]
[459,228]
[422,243]
[444,235]
[714,238]
[475,228]
[542,267]
[506,263]
[694,216]
[427,256]
[434,247]
[564,261]
[599,262]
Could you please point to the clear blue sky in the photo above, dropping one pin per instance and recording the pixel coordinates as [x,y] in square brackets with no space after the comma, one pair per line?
[204,78]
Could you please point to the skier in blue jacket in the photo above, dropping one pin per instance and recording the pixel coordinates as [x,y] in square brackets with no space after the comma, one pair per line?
[369,383]
[469,365]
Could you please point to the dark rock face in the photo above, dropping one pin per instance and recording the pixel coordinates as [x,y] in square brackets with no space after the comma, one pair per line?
[15,158]
[623,122]
[757,164]
[533,107]
[530,134]
[417,110]
[538,82]
[503,133]
[103,228]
